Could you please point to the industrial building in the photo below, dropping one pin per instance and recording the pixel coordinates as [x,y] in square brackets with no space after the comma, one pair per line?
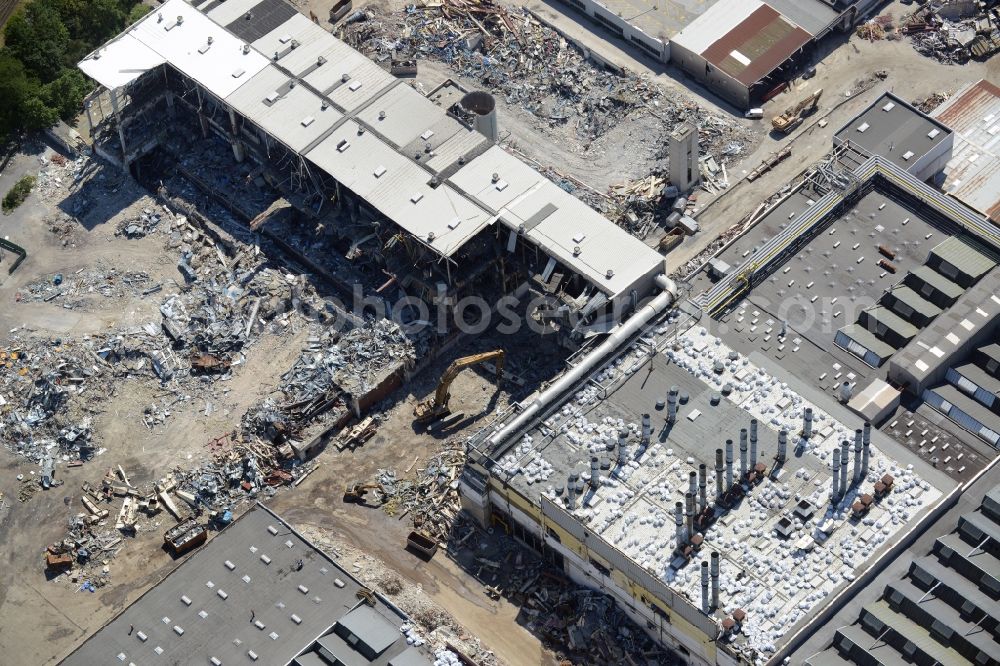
[938,605]
[972,175]
[343,140]
[740,49]
[730,471]
[259,592]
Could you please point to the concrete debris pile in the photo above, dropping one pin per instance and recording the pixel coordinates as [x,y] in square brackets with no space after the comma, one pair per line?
[58,173]
[140,226]
[880,27]
[954,32]
[73,291]
[512,54]
[49,392]
[332,370]
[929,103]
[431,499]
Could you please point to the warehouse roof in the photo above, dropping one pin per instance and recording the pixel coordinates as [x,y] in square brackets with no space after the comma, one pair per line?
[746,39]
[973,173]
[813,16]
[868,340]
[961,254]
[558,222]
[895,130]
[915,301]
[202,609]
[928,275]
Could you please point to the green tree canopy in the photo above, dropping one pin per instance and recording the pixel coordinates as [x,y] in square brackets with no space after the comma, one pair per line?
[36,36]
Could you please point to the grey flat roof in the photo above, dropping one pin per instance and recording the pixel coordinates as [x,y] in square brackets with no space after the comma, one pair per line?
[211,603]
[884,315]
[868,340]
[895,132]
[979,377]
[915,301]
[961,254]
[915,633]
[341,651]
[370,627]
[813,16]
[938,281]
[411,657]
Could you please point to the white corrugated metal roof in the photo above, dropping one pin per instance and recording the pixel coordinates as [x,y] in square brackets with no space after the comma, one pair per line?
[401,192]
[120,61]
[185,46]
[715,23]
[562,225]
[226,12]
[295,116]
[299,28]
[401,115]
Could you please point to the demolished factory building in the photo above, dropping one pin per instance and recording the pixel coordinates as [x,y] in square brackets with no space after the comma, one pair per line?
[338,135]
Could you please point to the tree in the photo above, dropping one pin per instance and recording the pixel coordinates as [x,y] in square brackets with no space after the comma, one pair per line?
[66,93]
[15,88]
[36,36]
[137,12]
[36,115]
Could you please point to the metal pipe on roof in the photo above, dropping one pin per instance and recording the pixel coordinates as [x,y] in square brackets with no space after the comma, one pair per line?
[715,579]
[689,511]
[743,453]
[753,443]
[782,445]
[807,422]
[571,491]
[866,440]
[647,430]
[622,447]
[729,464]
[595,473]
[719,471]
[679,519]
[616,338]
[705,608]
[672,404]
[835,493]
[703,486]
[693,483]
[857,456]
[844,457]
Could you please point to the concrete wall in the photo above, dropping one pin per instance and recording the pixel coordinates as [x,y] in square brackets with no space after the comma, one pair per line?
[720,83]
[934,162]
[600,14]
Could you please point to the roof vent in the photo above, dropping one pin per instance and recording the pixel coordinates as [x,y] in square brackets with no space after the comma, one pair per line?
[276,56]
[610,274]
[291,84]
[307,121]
[248,16]
[354,86]
[324,105]
[461,159]
[180,20]
[345,77]
[210,40]
[246,49]
[159,17]
[576,250]
[431,236]
[295,44]
[361,130]
[320,61]
[343,145]
[381,115]
[379,171]
[427,147]
[495,177]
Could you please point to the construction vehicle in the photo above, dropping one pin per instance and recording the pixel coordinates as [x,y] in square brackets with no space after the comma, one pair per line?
[794,115]
[358,493]
[431,410]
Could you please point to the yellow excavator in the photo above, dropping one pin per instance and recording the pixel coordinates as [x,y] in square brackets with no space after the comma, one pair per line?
[430,410]
[358,494]
[793,115]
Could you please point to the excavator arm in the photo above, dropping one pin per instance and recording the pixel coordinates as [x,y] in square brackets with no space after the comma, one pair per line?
[439,407]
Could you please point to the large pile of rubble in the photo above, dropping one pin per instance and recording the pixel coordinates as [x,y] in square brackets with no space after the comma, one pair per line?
[954,32]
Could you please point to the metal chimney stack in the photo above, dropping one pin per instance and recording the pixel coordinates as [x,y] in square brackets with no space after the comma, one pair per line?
[622,450]
[703,486]
[647,430]
[835,495]
[866,440]
[857,456]
[689,510]
[846,390]
[715,579]
[679,519]
[844,458]
[807,423]
[782,445]
[753,443]
[719,471]
[729,464]
[571,491]
[693,483]
[672,404]
[595,473]
[743,453]
[705,608]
